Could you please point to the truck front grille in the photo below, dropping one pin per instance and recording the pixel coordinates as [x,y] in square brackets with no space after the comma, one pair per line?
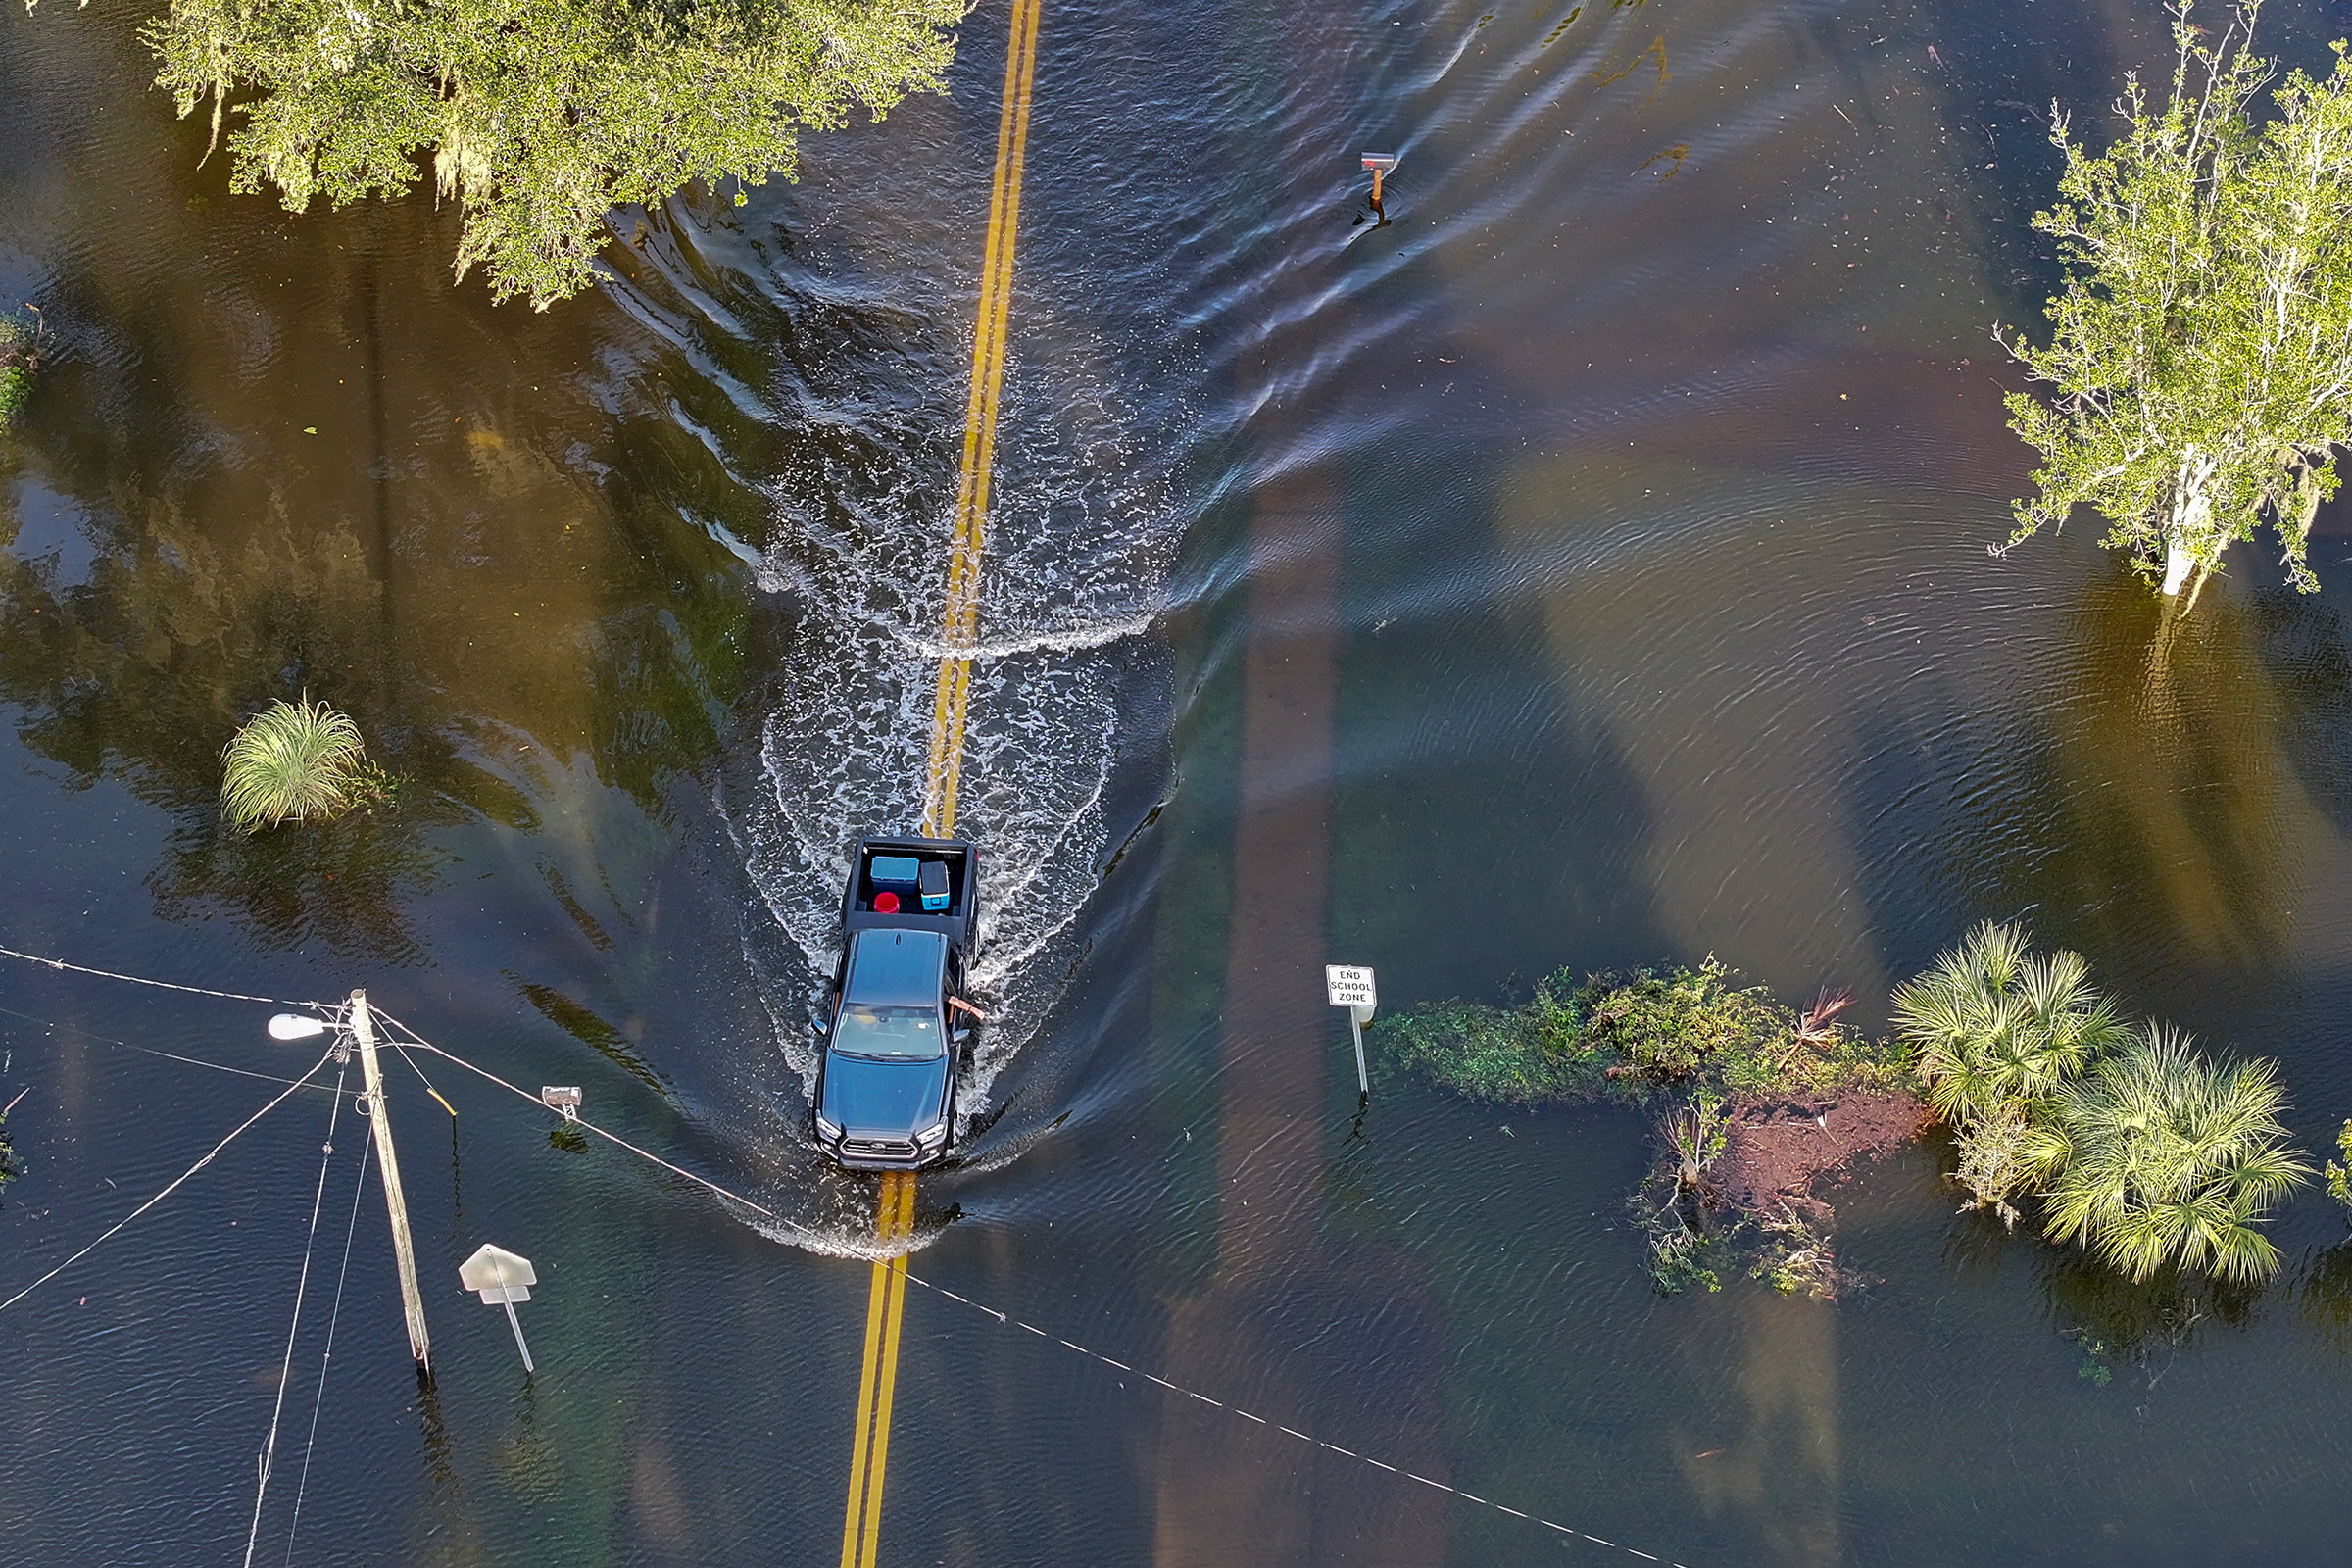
[878,1149]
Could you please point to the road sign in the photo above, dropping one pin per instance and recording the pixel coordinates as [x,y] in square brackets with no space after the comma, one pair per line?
[501,1278]
[1350,985]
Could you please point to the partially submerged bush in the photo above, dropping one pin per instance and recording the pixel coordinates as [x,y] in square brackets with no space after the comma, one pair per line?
[2165,1159]
[1529,1056]
[23,339]
[2138,1148]
[1637,1037]
[1993,1025]
[293,761]
[1689,1038]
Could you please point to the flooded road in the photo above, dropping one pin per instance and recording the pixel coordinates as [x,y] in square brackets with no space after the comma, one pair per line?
[1585,567]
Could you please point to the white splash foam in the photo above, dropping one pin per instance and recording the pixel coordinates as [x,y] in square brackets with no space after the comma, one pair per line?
[1080,541]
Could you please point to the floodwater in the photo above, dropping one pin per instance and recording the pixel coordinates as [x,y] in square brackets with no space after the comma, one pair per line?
[1587,567]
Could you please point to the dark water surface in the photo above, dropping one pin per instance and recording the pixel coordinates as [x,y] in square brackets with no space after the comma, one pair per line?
[1586,568]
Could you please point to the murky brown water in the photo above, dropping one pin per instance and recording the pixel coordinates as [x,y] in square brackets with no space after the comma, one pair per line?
[1588,566]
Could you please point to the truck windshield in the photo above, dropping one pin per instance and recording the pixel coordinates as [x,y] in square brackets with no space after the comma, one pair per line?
[891,1034]
[896,968]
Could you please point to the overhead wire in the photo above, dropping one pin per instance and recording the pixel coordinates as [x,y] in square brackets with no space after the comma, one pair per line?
[336,1316]
[163,985]
[578,1120]
[1008,1321]
[302,1286]
[574,1118]
[174,1186]
[150,1051]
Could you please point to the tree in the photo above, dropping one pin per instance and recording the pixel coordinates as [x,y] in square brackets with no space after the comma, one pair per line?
[540,114]
[2201,361]
[2166,1160]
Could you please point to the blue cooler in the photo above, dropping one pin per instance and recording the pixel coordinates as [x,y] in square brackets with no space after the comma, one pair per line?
[933,881]
[894,873]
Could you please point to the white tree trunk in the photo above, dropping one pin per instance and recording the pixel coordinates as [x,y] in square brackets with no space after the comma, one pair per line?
[2191,522]
[2179,559]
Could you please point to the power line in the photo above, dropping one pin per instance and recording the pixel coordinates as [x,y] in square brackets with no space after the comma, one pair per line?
[302,1286]
[577,1120]
[172,1187]
[309,1444]
[132,1044]
[1010,1321]
[734,1197]
[163,985]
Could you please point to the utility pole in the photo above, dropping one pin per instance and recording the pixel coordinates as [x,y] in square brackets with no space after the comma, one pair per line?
[411,1300]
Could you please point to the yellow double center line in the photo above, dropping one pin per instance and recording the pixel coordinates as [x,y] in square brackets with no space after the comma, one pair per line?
[960,621]
[878,1384]
[893,1219]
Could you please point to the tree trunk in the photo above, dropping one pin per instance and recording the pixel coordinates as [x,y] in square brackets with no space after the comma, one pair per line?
[2190,524]
[2179,559]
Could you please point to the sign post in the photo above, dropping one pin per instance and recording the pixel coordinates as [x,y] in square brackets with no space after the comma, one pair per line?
[501,1278]
[1352,986]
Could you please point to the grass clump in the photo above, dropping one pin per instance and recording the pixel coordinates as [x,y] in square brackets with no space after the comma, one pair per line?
[294,761]
[24,340]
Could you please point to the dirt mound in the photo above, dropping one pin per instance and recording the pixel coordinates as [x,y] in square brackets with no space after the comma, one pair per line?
[1775,1150]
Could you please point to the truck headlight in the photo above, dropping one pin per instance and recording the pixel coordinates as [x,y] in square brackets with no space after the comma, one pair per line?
[827,1132]
[932,1137]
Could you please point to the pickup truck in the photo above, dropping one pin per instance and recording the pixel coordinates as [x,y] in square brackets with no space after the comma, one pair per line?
[898,1027]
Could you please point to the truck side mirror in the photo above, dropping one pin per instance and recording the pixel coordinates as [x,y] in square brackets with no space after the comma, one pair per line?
[960,1036]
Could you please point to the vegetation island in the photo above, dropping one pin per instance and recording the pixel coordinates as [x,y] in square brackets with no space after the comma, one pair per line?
[2122,1138]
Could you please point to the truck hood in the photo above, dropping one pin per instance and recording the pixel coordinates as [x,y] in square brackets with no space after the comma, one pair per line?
[883,1098]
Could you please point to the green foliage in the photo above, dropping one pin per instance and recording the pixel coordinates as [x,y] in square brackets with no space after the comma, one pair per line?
[2138,1148]
[24,340]
[1796,1258]
[2201,357]
[1684,1259]
[1995,1027]
[2094,1368]
[2163,1160]
[1994,1161]
[2339,1177]
[540,114]
[1682,1022]
[1527,1055]
[291,762]
[1637,1036]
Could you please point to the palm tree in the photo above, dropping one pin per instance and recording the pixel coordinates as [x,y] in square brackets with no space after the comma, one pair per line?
[2162,1157]
[1997,1028]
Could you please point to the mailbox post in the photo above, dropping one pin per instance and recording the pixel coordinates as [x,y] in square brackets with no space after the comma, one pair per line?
[1352,986]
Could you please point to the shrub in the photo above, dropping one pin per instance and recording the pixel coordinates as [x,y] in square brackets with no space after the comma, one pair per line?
[1996,1028]
[2163,1158]
[1520,1056]
[23,341]
[1684,1022]
[2339,1179]
[292,762]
